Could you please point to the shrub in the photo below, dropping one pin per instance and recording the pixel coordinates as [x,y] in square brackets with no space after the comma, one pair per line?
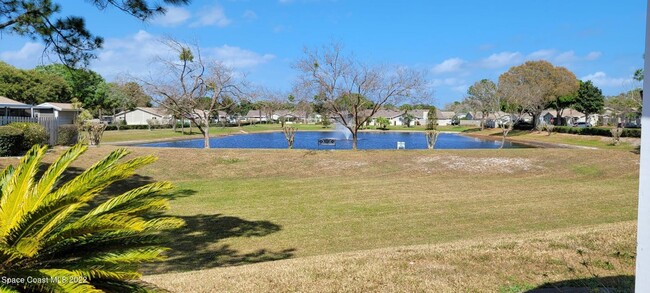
[600,131]
[68,134]
[631,132]
[11,141]
[95,132]
[63,232]
[34,133]
[129,127]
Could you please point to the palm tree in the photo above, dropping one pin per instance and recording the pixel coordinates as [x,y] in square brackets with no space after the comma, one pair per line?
[60,237]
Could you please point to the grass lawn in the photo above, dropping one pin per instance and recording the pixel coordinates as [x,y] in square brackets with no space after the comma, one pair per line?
[591,141]
[474,220]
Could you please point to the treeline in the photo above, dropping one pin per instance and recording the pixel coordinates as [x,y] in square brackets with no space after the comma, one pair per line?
[59,83]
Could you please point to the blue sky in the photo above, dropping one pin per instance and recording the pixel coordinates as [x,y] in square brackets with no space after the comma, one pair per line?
[455,42]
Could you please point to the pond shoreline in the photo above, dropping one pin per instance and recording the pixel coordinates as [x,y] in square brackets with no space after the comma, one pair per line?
[368,140]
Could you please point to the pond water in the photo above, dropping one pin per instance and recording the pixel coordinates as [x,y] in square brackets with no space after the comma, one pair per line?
[367,140]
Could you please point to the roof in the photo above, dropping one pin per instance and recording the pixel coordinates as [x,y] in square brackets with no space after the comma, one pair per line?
[388,113]
[566,113]
[255,113]
[60,106]
[445,114]
[419,113]
[8,101]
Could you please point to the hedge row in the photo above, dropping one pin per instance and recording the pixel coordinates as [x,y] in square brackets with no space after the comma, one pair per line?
[33,133]
[11,141]
[600,131]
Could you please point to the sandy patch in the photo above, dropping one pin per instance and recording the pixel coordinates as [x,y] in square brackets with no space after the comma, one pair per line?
[478,165]
[339,164]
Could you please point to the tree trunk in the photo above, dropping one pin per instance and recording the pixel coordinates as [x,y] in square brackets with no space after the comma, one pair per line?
[354,140]
[206,138]
[482,123]
[182,125]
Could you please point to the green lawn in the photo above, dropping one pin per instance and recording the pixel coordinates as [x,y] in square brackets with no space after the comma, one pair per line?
[314,203]
[251,206]
[601,142]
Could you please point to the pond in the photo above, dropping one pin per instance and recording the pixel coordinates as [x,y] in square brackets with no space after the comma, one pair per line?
[310,139]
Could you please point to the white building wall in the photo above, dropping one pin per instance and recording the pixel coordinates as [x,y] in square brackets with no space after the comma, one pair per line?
[137,117]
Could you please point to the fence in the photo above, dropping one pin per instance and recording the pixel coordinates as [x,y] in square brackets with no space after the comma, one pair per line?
[51,124]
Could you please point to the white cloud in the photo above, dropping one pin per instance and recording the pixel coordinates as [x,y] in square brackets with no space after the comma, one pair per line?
[30,51]
[214,15]
[600,79]
[593,56]
[451,81]
[566,57]
[449,65]
[134,55]
[173,17]
[562,58]
[239,58]
[502,59]
[544,54]
[249,15]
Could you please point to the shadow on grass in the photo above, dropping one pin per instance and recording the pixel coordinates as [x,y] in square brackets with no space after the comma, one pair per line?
[621,283]
[196,246]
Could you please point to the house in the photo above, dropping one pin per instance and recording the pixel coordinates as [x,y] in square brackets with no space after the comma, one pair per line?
[65,113]
[13,108]
[221,116]
[569,117]
[445,117]
[256,115]
[140,115]
[394,117]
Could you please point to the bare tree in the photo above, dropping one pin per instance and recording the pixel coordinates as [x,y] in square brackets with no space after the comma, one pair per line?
[351,91]
[290,135]
[193,88]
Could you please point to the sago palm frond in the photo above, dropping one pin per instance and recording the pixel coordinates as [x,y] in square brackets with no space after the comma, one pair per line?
[58,236]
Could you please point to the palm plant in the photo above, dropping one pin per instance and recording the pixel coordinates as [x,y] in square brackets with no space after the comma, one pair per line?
[61,237]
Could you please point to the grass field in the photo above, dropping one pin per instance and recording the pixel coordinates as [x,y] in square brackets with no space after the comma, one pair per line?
[474,220]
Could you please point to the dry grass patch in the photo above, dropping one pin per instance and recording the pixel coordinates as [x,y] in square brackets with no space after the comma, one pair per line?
[570,257]
[248,206]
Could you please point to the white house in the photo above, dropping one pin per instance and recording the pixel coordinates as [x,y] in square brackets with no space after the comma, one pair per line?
[256,115]
[569,117]
[64,112]
[140,115]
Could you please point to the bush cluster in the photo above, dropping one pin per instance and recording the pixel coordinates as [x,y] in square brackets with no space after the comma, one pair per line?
[11,141]
[33,133]
[600,131]
[68,134]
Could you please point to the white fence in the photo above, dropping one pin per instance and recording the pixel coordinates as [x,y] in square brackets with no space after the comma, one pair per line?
[51,124]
